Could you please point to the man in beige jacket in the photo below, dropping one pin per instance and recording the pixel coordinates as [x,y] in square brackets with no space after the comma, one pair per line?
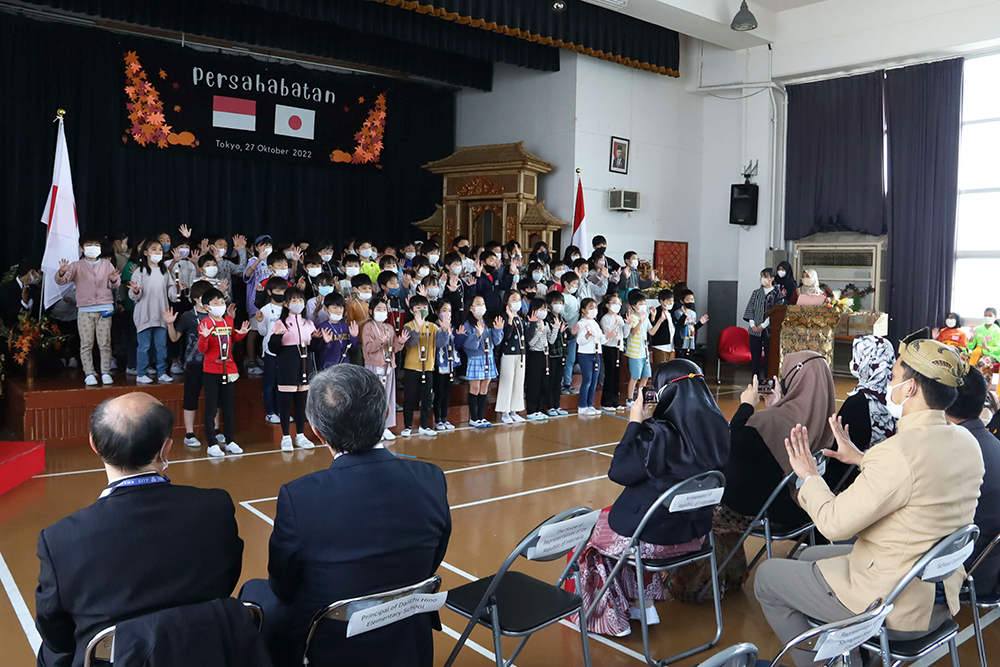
[914,489]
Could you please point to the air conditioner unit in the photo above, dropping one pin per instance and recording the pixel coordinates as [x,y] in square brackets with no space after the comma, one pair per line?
[842,258]
[623,200]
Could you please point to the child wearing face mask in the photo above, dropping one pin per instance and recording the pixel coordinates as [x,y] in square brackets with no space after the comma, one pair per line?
[216,336]
[571,314]
[182,270]
[369,259]
[94,277]
[311,271]
[637,345]
[480,342]
[352,267]
[661,343]
[540,336]
[389,289]
[489,284]
[761,301]
[316,306]
[255,274]
[589,339]
[380,344]
[612,351]
[293,342]
[424,339]
[148,290]
[952,333]
[557,354]
[539,274]
[512,348]
[343,335]
[208,268]
[264,320]
[687,324]
[447,359]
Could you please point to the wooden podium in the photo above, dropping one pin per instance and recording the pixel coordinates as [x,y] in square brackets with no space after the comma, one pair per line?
[799,328]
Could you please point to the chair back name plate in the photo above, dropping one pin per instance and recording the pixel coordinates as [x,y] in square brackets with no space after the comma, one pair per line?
[558,538]
[838,642]
[368,618]
[685,502]
[941,567]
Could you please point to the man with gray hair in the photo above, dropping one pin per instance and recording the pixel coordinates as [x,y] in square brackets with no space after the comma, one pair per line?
[369,523]
[144,545]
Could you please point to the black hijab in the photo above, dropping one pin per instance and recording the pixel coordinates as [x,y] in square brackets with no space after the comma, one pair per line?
[787,284]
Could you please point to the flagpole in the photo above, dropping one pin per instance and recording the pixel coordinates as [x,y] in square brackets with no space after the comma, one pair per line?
[60,113]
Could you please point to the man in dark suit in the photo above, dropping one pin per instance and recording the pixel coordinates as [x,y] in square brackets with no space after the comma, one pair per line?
[143,546]
[966,411]
[21,293]
[369,523]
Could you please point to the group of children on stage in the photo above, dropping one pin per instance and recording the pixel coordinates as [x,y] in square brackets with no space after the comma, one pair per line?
[478,313]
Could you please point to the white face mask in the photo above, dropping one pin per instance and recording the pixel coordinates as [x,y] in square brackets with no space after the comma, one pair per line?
[572,290]
[281,273]
[615,308]
[217,311]
[574,258]
[365,296]
[591,313]
[423,272]
[536,276]
[326,257]
[155,258]
[211,271]
[184,252]
[781,273]
[634,263]
[950,323]
[895,409]
[289,254]
[335,317]
[313,271]
[296,307]
[558,274]
[264,252]
[641,308]
[455,270]
[514,305]
[557,308]
[220,253]
[479,311]
[542,314]
[434,292]
[433,258]
[764,282]
[410,255]
[366,252]
[92,251]
[808,281]
[380,316]
[352,271]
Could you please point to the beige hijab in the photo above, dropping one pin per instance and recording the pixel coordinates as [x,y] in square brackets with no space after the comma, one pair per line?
[812,290]
[809,399]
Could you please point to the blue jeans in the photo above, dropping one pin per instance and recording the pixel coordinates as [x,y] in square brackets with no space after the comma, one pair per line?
[570,360]
[590,370]
[270,385]
[152,337]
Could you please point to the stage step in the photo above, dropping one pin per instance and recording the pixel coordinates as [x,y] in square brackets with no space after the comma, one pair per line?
[19,462]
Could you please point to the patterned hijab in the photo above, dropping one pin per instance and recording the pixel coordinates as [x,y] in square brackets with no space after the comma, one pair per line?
[872,365]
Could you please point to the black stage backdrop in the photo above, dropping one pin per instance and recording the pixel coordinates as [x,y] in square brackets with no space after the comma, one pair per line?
[143,190]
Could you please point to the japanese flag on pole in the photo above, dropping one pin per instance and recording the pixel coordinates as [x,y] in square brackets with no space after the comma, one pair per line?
[62,240]
[580,239]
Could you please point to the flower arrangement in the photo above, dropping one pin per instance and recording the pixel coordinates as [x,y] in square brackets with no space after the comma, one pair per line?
[29,335]
[653,291]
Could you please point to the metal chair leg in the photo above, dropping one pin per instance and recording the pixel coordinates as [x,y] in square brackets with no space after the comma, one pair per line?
[642,612]
[584,637]
[767,538]
[461,640]
[497,647]
[718,371]
[977,623]
[953,650]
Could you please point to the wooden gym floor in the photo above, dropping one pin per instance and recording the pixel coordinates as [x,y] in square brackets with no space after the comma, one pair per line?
[502,482]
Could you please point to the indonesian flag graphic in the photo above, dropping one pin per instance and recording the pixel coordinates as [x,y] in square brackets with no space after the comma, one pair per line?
[294,122]
[234,113]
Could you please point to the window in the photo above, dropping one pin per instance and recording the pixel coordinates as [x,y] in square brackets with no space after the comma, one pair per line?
[977,243]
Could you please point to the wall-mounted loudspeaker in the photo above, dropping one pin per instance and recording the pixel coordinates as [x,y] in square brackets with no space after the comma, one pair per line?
[743,204]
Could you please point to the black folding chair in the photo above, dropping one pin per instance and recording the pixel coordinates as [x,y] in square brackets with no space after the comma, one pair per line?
[694,493]
[835,641]
[513,604]
[978,603]
[343,610]
[740,655]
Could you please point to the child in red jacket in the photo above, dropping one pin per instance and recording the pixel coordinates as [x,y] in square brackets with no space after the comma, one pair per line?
[216,335]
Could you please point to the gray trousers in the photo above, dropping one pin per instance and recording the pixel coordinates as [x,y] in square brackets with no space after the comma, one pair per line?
[792,590]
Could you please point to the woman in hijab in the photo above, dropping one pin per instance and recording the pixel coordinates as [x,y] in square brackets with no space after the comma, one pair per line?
[687,435]
[785,284]
[809,292]
[758,463]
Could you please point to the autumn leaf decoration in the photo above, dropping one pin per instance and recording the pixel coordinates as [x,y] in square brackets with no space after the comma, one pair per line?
[148,122]
[369,141]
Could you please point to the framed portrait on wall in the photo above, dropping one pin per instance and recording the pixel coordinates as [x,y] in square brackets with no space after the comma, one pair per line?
[619,155]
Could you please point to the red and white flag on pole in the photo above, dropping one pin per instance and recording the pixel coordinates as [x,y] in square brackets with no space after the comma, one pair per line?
[580,239]
[62,240]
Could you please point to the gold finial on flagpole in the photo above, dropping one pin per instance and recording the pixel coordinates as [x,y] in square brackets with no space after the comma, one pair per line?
[60,112]
[578,170]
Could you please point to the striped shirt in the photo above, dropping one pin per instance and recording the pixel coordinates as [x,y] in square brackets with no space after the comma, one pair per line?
[637,347]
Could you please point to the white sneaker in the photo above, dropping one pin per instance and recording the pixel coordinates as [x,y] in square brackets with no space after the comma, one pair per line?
[143,379]
[130,371]
[233,448]
[272,419]
[628,403]
[219,438]
[406,433]
[215,450]
[427,431]
[552,412]
[253,371]
[286,443]
[72,363]
[303,442]
[388,435]
[506,418]
[448,425]
[165,378]
[652,618]
[176,368]
[607,409]
[516,417]
[91,381]
[107,379]
[440,427]
[192,442]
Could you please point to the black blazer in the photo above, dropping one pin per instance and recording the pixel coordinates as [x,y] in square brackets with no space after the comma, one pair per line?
[513,337]
[139,550]
[369,523]
[988,511]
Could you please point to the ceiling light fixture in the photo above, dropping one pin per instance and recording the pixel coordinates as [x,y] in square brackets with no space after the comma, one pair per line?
[744,19]
[558,5]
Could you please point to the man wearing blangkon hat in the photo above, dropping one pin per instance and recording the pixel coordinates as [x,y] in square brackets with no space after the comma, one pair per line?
[914,489]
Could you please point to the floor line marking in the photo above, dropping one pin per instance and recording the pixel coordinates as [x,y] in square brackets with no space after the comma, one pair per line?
[490,655]
[527,493]
[20,608]
[247,506]
[591,449]
[963,636]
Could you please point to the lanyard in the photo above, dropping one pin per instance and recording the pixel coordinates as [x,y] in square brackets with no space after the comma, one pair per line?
[133,481]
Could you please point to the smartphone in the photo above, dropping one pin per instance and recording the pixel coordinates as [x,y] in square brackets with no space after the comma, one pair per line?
[765,387]
[648,396]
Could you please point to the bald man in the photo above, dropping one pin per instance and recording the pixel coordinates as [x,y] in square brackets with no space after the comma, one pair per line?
[144,544]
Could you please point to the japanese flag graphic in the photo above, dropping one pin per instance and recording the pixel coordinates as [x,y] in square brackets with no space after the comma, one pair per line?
[294,122]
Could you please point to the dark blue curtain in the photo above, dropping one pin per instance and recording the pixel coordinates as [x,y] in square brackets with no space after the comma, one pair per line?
[834,157]
[923,110]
